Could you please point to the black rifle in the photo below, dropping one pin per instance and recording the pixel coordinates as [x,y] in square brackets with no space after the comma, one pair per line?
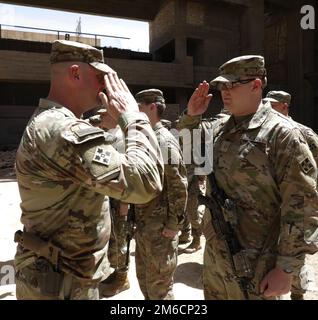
[130,229]
[219,203]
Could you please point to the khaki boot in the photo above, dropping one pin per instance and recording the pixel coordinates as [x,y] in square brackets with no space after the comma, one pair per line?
[119,283]
[184,238]
[110,278]
[296,296]
[195,245]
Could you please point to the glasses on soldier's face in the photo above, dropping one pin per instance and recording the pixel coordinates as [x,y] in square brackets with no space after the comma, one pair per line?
[232,84]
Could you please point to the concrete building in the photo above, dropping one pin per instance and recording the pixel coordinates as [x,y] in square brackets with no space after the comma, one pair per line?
[47,37]
[189,39]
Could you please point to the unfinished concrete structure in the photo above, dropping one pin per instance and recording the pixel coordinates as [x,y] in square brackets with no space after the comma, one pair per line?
[189,39]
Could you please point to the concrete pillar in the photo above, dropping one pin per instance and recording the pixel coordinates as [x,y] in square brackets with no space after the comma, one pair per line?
[310,112]
[182,98]
[180,33]
[252,28]
[295,66]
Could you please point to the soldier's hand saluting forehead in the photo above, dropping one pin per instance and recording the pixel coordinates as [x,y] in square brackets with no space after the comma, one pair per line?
[118,99]
[199,100]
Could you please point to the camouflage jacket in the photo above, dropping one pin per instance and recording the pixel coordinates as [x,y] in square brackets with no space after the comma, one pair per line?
[265,165]
[169,206]
[65,168]
[311,138]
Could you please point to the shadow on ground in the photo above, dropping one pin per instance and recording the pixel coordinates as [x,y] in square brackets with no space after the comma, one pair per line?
[6,295]
[189,273]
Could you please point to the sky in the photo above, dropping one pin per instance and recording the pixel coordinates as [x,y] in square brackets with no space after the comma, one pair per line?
[137,31]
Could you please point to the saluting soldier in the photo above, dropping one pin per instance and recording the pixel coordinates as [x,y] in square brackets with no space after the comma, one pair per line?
[265,184]
[66,169]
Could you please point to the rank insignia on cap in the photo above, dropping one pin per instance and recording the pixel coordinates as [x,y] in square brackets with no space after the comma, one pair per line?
[102,156]
[306,165]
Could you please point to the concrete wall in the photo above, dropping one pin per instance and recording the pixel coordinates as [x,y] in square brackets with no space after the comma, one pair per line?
[190,39]
[46,37]
[13,120]
[34,67]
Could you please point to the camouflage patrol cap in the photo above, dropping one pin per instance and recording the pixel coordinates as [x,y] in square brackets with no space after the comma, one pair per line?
[243,66]
[64,50]
[278,96]
[150,96]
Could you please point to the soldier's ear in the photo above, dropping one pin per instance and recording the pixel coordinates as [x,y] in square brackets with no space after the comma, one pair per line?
[286,106]
[74,72]
[257,84]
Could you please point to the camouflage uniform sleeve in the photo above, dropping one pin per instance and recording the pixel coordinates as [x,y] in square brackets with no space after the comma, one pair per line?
[296,174]
[86,157]
[312,140]
[194,122]
[176,184]
[188,122]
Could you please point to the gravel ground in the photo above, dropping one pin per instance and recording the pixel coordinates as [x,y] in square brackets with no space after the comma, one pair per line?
[7,159]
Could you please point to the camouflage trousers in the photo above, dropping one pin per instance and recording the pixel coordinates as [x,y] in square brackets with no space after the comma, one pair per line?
[219,282]
[156,261]
[194,212]
[193,220]
[117,250]
[296,290]
[71,288]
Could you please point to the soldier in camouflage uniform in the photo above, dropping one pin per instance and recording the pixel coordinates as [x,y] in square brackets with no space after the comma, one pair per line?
[264,165]
[158,222]
[117,249]
[280,101]
[194,211]
[66,169]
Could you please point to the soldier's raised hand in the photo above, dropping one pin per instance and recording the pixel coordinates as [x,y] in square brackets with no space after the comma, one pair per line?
[199,100]
[118,98]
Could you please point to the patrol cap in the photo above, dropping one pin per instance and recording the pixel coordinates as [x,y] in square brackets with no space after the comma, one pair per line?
[243,66]
[278,96]
[65,50]
[150,96]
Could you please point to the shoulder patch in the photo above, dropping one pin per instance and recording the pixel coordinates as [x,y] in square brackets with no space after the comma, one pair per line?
[306,165]
[103,161]
[102,156]
[81,132]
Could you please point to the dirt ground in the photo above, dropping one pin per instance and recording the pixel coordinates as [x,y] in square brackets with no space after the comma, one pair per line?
[188,280]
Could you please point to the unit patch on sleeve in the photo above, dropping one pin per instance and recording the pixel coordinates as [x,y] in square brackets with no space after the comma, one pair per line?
[306,165]
[102,156]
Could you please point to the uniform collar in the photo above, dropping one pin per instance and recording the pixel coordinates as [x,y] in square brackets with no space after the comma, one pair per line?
[157,126]
[255,121]
[48,104]
[259,116]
